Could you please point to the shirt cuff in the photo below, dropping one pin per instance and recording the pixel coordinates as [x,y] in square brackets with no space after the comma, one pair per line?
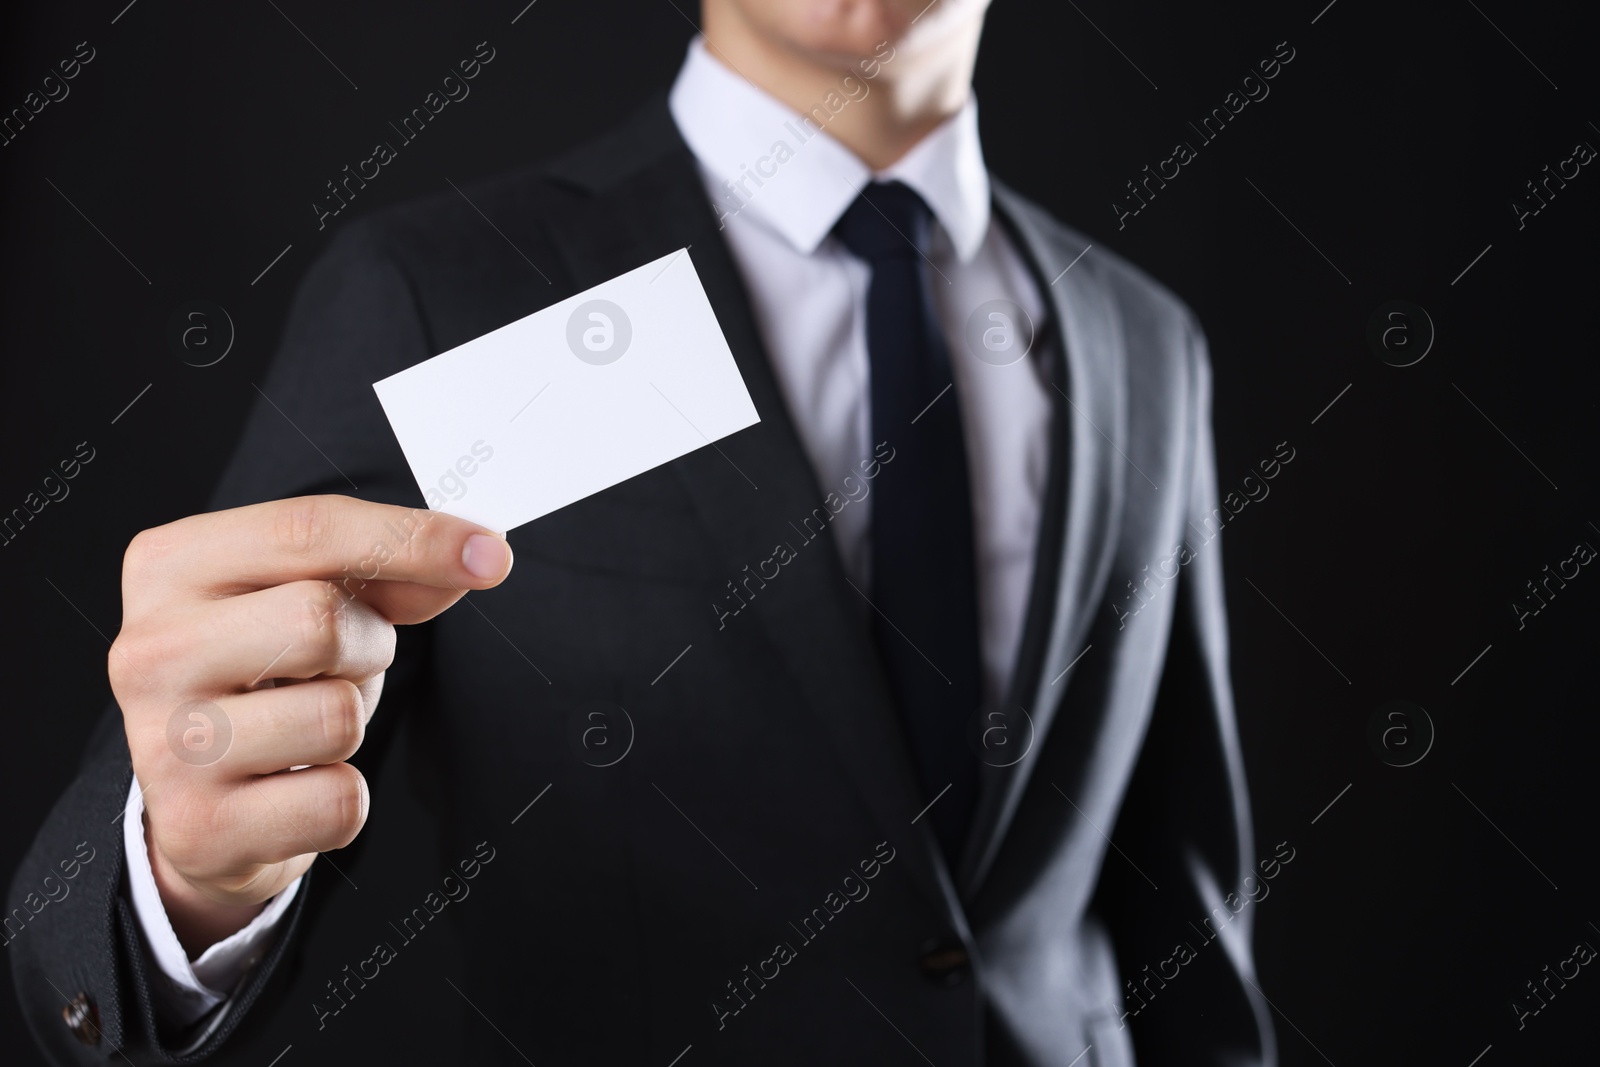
[186,990]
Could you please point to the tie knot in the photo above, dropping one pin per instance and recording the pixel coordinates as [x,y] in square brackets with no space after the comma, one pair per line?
[888,220]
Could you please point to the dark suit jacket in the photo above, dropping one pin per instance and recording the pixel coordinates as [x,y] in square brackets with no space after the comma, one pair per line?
[772,740]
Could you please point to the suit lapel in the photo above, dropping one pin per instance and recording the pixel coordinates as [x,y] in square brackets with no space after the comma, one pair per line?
[656,207]
[1071,568]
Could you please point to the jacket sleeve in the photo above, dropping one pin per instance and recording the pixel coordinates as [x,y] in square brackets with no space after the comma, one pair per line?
[82,972]
[1184,949]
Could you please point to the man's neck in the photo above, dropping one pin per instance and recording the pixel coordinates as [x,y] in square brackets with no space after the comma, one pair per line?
[891,103]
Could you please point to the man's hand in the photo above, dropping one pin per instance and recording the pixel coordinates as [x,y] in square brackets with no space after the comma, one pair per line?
[255,640]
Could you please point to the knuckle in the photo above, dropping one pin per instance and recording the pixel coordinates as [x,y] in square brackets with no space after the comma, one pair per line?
[157,548]
[141,654]
[138,554]
[341,714]
[420,543]
[188,824]
[147,548]
[119,666]
[304,525]
[316,621]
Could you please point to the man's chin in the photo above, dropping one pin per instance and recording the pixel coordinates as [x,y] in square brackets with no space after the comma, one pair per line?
[840,33]
[850,32]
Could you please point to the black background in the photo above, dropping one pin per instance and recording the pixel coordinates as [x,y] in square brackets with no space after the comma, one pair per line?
[1415,510]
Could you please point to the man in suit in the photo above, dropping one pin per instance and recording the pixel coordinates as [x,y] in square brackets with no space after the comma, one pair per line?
[916,709]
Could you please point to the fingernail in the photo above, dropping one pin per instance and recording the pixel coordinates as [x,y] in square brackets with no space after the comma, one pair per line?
[485,556]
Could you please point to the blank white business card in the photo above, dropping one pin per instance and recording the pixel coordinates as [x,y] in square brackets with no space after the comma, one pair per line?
[570,400]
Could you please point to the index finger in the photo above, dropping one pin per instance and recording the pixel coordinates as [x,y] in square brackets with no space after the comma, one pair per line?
[335,538]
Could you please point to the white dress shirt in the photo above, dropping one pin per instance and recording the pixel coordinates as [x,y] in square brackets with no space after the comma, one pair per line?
[808,296]
[184,990]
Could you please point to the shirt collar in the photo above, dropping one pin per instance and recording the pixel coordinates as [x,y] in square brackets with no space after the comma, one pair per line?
[790,174]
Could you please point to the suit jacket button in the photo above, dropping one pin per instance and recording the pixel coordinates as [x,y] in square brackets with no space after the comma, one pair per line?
[944,964]
[83,1019]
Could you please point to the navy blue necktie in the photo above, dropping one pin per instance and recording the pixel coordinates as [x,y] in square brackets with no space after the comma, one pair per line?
[924,574]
